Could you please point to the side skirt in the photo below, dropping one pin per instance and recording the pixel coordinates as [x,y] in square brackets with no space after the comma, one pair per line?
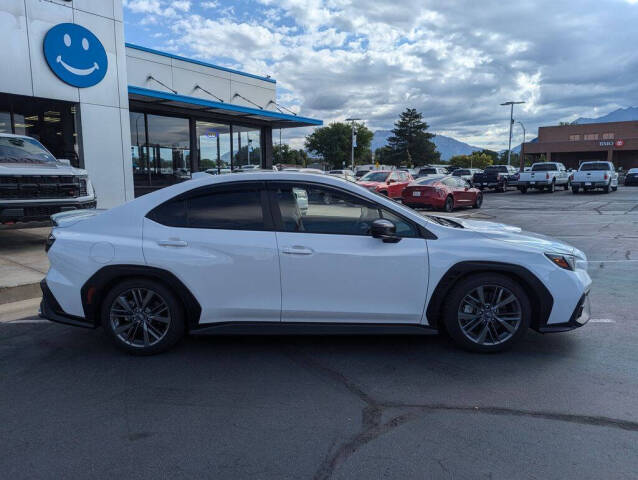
[302,328]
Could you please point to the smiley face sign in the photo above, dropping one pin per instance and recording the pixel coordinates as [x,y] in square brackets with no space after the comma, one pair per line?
[75,55]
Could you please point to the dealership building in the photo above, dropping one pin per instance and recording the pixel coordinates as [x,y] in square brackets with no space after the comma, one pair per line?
[137,119]
[616,142]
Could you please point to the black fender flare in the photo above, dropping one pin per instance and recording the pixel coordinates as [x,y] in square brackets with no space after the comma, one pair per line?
[95,288]
[540,298]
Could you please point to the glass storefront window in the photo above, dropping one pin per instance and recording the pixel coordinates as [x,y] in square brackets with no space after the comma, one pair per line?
[247,146]
[51,122]
[213,143]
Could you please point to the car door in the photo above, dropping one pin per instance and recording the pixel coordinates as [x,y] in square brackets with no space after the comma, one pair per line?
[394,187]
[453,186]
[220,242]
[333,271]
[464,191]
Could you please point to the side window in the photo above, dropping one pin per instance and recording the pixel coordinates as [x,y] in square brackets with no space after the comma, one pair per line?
[230,210]
[314,209]
[394,176]
[224,210]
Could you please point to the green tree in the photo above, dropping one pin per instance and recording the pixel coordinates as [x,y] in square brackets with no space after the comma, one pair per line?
[410,142]
[284,154]
[478,159]
[334,142]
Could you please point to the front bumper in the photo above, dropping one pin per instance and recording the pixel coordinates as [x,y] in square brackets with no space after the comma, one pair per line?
[37,211]
[580,317]
[50,310]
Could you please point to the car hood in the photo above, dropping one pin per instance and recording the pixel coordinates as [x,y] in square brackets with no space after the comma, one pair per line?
[517,236]
[39,169]
[370,184]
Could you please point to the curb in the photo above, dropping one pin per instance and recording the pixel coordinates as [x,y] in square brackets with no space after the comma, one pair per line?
[19,293]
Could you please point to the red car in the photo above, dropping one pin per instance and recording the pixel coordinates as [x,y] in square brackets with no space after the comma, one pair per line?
[445,193]
[386,182]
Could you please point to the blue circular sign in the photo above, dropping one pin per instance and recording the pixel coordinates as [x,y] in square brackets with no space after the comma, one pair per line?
[75,55]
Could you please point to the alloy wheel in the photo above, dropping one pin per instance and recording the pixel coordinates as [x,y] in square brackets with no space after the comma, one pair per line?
[489,315]
[140,317]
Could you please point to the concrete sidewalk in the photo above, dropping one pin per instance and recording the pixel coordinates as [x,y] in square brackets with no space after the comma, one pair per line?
[23,263]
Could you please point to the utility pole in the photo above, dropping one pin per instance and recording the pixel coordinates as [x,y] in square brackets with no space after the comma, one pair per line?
[522,154]
[509,147]
[354,140]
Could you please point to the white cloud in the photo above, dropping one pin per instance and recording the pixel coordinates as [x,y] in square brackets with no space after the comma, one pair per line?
[454,61]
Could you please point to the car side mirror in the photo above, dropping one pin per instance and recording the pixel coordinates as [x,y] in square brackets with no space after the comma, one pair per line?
[384,230]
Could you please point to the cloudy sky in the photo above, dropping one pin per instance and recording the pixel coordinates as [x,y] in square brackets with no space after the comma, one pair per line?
[455,61]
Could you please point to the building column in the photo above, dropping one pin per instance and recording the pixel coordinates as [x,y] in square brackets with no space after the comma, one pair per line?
[610,155]
[266,147]
[548,157]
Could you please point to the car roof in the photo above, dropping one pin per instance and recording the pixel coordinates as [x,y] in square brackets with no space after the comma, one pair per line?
[11,135]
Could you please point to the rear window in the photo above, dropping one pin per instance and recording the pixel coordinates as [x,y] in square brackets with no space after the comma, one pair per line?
[594,166]
[427,171]
[496,169]
[459,172]
[428,180]
[550,167]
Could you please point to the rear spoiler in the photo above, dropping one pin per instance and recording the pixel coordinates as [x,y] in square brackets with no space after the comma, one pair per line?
[65,219]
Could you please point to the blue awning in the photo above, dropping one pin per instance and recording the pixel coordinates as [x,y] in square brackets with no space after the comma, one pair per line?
[274,119]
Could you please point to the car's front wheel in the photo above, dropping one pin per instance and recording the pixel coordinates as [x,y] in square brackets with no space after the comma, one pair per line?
[142,316]
[487,312]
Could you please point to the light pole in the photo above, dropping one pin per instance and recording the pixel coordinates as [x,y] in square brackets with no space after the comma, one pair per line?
[354,140]
[509,148]
[522,154]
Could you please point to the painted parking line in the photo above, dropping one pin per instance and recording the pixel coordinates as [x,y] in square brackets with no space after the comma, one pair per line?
[602,320]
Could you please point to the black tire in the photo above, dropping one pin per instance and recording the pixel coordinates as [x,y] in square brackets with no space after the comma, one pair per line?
[575,190]
[172,333]
[454,300]
[606,189]
[383,192]
[479,201]
[566,186]
[523,189]
[552,187]
[449,204]
[613,189]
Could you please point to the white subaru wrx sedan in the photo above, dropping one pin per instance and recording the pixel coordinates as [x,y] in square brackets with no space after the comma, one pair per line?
[238,254]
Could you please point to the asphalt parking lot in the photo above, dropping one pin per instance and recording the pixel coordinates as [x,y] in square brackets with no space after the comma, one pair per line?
[557,406]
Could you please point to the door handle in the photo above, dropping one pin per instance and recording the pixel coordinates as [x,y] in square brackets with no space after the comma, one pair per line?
[172,243]
[297,250]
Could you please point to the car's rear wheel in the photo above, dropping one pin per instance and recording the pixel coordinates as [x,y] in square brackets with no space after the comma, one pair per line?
[566,186]
[523,189]
[487,313]
[606,189]
[142,316]
[574,190]
[552,187]
[478,201]
[449,204]
[613,189]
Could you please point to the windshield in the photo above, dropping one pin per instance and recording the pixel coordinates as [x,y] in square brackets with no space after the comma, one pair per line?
[549,167]
[594,166]
[23,150]
[375,177]
[427,171]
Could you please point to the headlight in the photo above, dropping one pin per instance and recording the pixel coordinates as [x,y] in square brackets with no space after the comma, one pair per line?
[568,262]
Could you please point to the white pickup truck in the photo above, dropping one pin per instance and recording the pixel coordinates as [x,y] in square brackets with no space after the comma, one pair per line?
[593,175]
[544,176]
[34,184]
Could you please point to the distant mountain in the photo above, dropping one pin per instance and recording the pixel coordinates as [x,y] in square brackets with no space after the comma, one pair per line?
[620,115]
[447,146]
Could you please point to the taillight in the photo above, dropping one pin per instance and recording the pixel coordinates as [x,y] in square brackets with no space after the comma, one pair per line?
[606,176]
[49,242]
[547,176]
